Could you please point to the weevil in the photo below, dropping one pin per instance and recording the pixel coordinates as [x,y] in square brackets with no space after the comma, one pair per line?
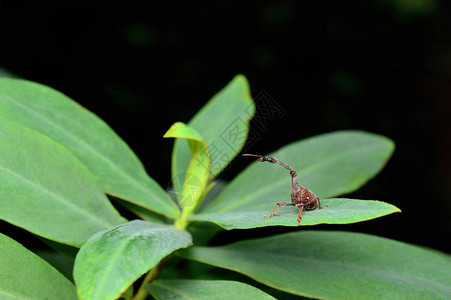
[301,197]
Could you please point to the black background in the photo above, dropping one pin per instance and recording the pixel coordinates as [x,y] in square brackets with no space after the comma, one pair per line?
[380,66]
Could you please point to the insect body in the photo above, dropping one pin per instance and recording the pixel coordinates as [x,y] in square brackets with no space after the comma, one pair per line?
[301,197]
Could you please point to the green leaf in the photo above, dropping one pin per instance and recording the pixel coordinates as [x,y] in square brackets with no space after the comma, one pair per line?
[66,250]
[111,260]
[198,171]
[218,185]
[53,114]
[224,125]
[204,289]
[329,164]
[46,190]
[338,211]
[336,265]
[142,212]
[23,275]
[60,262]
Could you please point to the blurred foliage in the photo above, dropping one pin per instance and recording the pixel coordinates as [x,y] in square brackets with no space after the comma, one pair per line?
[408,10]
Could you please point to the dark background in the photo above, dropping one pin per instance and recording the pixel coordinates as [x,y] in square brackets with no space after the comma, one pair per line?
[380,66]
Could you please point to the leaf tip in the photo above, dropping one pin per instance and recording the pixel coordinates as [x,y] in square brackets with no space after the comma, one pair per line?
[390,144]
[174,127]
[242,80]
[240,77]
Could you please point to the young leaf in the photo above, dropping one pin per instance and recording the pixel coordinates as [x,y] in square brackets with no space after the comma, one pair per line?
[198,172]
[204,289]
[23,275]
[111,260]
[53,114]
[329,165]
[336,265]
[46,190]
[338,211]
[224,125]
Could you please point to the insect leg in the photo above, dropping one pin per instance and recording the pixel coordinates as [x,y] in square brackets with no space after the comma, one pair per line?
[319,205]
[301,207]
[279,204]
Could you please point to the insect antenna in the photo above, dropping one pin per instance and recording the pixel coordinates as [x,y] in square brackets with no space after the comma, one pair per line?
[254,155]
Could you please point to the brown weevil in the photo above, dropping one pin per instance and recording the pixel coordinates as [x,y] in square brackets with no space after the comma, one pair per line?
[301,197]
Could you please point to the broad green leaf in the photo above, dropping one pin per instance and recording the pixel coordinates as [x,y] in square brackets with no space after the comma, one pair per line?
[202,232]
[66,250]
[112,259]
[190,269]
[338,211]
[23,275]
[336,265]
[198,171]
[204,289]
[53,114]
[218,185]
[329,164]
[60,262]
[223,123]
[46,190]
[142,212]
[179,268]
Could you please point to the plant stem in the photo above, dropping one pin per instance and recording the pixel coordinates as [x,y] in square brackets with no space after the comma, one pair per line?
[180,223]
[142,294]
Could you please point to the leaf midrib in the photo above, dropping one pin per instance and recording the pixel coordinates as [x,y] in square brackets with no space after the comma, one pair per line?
[171,289]
[350,266]
[250,210]
[200,121]
[57,197]
[125,242]
[269,257]
[94,151]
[10,295]
[99,285]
